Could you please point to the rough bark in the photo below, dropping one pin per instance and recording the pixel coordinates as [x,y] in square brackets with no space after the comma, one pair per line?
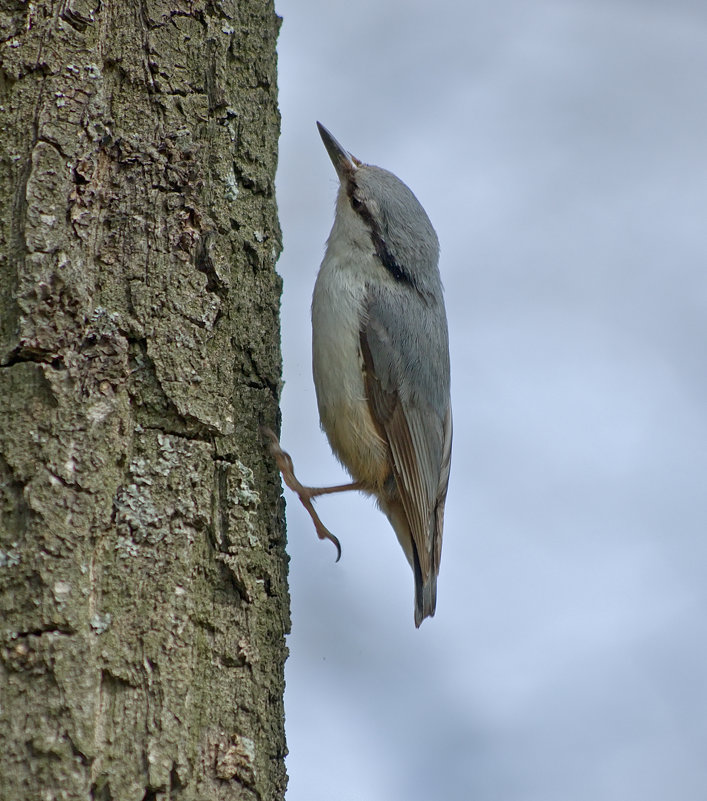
[143,598]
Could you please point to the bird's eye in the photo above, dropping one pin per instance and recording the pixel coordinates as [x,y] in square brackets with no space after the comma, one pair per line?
[356,203]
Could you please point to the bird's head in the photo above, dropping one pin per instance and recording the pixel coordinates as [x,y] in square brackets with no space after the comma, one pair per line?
[376,207]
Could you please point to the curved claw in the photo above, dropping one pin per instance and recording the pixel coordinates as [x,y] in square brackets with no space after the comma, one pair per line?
[322,531]
[305,494]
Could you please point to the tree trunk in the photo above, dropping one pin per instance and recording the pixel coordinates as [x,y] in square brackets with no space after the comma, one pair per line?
[143,597]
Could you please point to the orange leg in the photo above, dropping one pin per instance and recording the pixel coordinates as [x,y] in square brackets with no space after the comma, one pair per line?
[306,494]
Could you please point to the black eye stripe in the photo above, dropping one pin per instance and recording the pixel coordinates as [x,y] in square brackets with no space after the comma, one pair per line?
[389,262]
[382,251]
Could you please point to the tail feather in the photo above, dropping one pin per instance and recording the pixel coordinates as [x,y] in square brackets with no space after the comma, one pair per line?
[425,587]
[425,592]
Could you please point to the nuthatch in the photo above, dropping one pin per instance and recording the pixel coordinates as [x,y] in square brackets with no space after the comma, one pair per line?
[380,359]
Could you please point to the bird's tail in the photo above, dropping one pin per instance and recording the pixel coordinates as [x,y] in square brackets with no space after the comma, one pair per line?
[425,592]
[425,585]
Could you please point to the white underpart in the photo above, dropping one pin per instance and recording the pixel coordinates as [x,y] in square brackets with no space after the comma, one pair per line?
[349,265]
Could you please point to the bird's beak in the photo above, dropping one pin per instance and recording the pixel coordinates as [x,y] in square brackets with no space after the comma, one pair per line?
[344,163]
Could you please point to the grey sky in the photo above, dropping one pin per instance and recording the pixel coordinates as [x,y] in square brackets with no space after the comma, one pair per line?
[560,149]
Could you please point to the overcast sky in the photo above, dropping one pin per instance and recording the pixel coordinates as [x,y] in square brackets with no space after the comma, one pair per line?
[560,150]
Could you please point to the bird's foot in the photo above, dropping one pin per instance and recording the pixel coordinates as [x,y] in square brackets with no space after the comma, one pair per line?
[305,494]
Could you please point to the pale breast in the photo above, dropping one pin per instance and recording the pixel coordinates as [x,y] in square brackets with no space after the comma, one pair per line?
[338,375]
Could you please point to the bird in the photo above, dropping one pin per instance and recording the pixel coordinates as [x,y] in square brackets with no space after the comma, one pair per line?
[380,363]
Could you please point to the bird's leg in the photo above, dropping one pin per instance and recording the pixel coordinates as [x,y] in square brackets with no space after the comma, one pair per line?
[306,494]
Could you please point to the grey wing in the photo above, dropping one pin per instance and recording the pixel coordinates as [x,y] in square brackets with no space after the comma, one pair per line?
[405,351]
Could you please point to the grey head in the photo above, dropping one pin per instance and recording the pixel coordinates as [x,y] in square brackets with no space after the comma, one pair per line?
[400,229]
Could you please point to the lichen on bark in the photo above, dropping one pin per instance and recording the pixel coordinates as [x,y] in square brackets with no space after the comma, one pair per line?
[143,597]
